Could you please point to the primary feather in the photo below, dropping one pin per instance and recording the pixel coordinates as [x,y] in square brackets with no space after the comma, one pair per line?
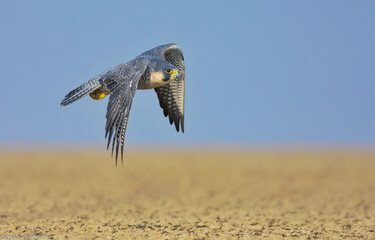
[122,81]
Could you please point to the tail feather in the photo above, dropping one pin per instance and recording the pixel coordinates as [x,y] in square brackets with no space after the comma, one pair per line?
[80,92]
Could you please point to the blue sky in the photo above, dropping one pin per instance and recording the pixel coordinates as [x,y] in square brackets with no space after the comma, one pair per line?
[257,72]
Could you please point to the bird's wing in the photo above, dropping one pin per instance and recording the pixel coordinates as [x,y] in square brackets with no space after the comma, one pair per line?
[172,96]
[124,86]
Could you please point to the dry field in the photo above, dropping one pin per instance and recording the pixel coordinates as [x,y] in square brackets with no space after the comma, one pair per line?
[188,195]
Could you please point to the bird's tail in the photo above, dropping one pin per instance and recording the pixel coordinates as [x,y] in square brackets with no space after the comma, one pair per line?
[80,92]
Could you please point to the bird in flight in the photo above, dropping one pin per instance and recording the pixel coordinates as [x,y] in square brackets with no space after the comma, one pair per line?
[161,68]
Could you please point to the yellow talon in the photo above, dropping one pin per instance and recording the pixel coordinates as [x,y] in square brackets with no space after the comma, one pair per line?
[102,96]
[98,94]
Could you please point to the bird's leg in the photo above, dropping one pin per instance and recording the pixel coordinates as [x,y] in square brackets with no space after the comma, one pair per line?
[98,94]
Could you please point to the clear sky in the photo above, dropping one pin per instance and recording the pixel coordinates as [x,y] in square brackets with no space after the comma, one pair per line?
[257,72]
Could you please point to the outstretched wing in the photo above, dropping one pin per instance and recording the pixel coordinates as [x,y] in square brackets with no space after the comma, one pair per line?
[172,96]
[124,86]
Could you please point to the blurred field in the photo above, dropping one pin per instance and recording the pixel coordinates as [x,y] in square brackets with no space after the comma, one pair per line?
[188,195]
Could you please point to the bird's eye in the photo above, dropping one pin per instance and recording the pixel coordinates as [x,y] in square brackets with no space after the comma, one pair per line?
[169,71]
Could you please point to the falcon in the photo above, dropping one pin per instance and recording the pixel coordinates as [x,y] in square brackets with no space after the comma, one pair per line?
[161,68]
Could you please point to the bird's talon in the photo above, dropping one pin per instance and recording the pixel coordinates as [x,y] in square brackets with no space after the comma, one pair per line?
[98,94]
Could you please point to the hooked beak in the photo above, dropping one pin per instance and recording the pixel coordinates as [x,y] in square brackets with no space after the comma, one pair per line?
[175,74]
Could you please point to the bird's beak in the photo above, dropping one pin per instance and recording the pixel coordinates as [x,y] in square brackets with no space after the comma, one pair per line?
[175,74]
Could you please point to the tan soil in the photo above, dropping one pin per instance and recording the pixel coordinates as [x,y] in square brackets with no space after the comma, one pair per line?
[188,196]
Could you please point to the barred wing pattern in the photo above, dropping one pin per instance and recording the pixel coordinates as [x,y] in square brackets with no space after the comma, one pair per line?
[172,96]
[120,102]
[171,99]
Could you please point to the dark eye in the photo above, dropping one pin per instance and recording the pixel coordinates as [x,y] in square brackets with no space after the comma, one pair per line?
[169,71]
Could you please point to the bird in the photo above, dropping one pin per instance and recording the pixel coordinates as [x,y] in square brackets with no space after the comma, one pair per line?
[161,68]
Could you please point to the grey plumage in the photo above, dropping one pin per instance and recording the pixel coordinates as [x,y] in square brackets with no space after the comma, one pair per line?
[172,96]
[144,72]
[81,91]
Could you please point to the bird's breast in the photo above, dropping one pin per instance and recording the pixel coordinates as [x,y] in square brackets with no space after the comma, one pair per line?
[153,80]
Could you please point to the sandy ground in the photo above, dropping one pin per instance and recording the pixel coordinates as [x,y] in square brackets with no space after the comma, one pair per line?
[188,196]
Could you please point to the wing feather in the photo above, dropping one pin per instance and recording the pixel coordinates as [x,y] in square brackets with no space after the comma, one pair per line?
[172,96]
[120,102]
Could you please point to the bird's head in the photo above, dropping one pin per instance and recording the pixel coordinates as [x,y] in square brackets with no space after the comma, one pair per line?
[171,74]
[163,72]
